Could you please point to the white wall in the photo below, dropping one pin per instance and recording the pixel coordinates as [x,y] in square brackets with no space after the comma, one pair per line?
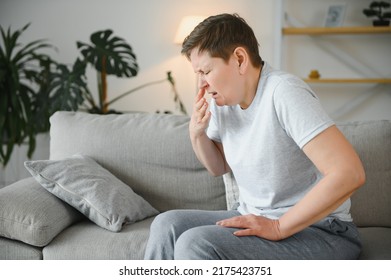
[150,25]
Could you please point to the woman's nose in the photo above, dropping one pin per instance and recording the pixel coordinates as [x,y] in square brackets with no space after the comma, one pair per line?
[201,82]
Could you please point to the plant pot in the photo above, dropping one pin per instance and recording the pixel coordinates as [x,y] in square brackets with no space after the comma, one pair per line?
[381,22]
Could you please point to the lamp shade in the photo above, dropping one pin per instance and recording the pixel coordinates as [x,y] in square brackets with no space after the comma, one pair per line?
[187,25]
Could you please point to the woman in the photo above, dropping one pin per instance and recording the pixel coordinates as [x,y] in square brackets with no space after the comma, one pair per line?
[294,168]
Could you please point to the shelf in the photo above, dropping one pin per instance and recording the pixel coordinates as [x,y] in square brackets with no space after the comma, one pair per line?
[336,81]
[345,30]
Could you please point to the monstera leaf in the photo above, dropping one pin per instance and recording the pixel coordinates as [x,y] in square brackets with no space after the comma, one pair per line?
[110,54]
[69,86]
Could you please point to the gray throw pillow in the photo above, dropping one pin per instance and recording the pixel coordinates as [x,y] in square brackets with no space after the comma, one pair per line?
[91,189]
[31,214]
[231,191]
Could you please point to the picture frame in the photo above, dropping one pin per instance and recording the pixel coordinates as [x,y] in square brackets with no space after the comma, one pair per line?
[335,15]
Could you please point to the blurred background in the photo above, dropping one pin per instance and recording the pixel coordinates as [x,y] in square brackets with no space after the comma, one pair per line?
[150,26]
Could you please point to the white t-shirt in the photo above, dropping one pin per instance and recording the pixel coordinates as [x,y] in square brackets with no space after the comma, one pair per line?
[263,144]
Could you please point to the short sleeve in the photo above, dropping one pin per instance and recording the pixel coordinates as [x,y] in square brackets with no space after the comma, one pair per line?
[299,111]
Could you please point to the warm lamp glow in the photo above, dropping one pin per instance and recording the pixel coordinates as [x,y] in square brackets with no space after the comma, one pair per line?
[186,26]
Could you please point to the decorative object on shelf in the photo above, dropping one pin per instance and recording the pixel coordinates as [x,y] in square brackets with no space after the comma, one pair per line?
[376,10]
[314,74]
[335,15]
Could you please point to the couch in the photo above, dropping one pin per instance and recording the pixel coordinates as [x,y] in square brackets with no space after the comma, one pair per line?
[151,155]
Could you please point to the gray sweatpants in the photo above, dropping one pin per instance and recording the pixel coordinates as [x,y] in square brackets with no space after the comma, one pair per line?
[192,234]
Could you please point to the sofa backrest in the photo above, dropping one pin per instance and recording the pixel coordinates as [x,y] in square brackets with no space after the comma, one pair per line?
[151,153]
[371,204]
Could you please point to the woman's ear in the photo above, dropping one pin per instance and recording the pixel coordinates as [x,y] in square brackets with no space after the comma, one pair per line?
[241,56]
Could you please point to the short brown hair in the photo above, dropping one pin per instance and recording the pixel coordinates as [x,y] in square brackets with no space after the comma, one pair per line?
[220,35]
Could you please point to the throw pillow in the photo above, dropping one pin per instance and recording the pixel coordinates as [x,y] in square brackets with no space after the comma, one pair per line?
[30,214]
[91,189]
[231,191]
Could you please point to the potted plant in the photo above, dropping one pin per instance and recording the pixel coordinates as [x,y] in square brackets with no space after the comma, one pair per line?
[27,98]
[376,10]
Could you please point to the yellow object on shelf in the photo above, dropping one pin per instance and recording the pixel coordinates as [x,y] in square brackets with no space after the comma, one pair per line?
[314,74]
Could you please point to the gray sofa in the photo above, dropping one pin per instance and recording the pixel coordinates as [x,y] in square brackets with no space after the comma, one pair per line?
[152,155]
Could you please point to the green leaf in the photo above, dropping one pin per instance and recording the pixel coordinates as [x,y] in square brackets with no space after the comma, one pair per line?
[68,86]
[110,54]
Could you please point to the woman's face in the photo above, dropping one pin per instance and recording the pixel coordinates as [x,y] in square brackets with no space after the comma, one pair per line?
[220,79]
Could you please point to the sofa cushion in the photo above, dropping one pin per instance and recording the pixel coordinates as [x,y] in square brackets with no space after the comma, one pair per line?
[16,250]
[91,189]
[86,241]
[372,140]
[31,214]
[151,153]
[376,243]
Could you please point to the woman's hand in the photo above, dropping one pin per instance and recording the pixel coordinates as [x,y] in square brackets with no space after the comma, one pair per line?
[200,117]
[254,225]
[209,152]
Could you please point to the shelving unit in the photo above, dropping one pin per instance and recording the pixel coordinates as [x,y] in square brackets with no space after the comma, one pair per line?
[345,30]
[351,81]
[352,60]
[357,30]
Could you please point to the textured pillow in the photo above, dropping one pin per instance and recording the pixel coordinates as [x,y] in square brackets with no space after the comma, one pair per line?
[231,191]
[91,189]
[30,214]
